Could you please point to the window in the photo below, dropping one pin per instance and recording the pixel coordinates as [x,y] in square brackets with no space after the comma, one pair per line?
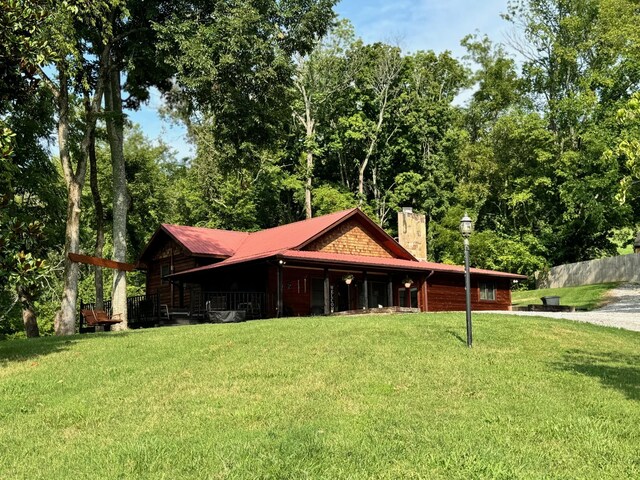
[164,271]
[402,297]
[487,291]
[378,295]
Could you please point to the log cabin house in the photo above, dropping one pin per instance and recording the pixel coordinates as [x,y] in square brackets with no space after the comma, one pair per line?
[341,262]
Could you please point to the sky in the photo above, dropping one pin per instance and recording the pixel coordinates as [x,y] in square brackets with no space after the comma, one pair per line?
[436,25]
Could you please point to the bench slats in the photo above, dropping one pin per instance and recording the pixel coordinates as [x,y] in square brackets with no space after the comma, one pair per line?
[99,317]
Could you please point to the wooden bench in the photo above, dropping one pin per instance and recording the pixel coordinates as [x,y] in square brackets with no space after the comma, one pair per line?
[99,318]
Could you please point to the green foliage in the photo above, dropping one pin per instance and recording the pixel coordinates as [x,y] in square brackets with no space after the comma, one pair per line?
[31,207]
[24,272]
[626,149]
[276,96]
[329,198]
[518,255]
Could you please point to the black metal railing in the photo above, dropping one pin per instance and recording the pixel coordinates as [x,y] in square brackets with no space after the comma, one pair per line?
[255,304]
[142,310]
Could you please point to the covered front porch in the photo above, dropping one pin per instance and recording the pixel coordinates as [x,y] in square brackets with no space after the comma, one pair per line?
[285,287]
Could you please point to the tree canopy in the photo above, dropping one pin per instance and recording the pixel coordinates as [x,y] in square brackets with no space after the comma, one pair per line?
[291,116]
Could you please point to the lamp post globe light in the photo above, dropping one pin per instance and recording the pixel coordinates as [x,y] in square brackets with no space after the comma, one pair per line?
[466,227]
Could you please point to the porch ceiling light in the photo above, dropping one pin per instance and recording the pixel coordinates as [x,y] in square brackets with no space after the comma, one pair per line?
[407,282]
[348,279]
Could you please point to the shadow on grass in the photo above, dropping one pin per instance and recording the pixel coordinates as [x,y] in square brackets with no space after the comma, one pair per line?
[614,370]
[457,336]
[21,350]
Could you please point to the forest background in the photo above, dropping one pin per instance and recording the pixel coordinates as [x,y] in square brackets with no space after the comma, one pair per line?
[291,116]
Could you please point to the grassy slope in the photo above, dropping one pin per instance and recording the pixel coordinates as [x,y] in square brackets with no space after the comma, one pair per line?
[357,397]
[586,296]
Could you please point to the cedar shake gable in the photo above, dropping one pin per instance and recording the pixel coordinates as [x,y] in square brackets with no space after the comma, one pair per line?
[357,235]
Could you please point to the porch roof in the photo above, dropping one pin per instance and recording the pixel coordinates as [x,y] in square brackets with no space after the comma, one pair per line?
[345,261]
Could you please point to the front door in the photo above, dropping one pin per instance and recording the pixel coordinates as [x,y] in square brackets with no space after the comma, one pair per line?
[317,296]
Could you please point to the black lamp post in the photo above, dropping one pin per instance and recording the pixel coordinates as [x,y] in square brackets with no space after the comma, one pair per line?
[466,227]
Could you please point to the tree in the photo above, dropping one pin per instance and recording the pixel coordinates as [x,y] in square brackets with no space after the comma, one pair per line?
[580,69]
[234,64]
[29,206]
[626,150]
[426,123]
[319,78]
[382,66]
[30,209]
[133,57]
[80,68]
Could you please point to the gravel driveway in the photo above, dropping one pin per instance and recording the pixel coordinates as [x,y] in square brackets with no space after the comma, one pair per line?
[623,311]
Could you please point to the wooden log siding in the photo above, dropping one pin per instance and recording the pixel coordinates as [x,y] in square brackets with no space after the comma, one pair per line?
[296,295]
[446,293]
[297,288]
[169,255]
[350,238]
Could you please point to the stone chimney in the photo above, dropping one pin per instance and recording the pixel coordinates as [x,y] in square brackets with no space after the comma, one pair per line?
[412,232]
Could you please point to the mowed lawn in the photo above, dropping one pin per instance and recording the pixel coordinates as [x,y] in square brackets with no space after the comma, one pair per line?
[352,397]
[585,297]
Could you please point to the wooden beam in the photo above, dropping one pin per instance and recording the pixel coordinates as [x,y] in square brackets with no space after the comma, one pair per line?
[365,287]
[279,290]
[101,262]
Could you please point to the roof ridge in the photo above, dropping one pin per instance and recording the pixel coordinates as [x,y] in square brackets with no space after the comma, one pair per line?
[202,228]
[252,234]
[344,212]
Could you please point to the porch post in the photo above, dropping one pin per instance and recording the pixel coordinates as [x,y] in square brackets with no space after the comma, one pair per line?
[279,289]
[365,285]
[425,298]
[327,293]
[390,291]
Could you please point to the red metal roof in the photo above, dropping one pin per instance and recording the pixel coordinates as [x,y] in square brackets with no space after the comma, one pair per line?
[289,236]
[206,241]
[323,257]
[283,242]
[348,260]
[227,243]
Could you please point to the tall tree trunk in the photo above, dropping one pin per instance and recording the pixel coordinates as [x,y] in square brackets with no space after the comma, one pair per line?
[115,131]
[310,126]
[28,315]
[307,188]
[370,149]
[65,321]
[97,201]
[311,133]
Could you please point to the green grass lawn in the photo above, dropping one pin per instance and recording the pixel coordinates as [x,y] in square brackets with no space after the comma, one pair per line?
[585,297]
[352,397]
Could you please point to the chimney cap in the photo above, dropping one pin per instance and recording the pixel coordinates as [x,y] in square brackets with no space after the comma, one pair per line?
[407,209]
